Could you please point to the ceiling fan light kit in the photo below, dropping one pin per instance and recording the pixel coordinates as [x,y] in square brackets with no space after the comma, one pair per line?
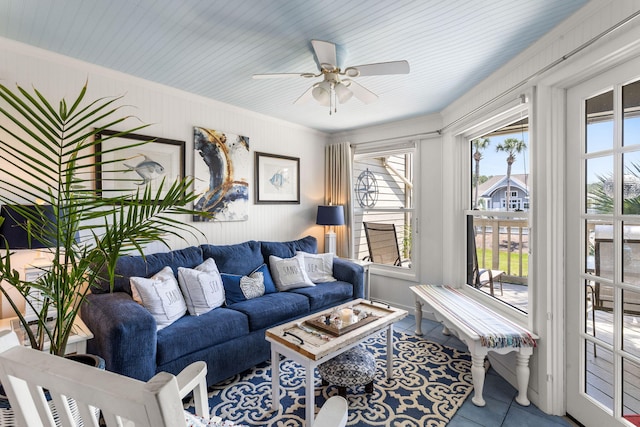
[332,89]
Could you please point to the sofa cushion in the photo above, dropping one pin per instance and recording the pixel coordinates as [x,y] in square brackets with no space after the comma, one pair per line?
[202,287]
[289,249]
[128,266]
[319,267]
[193,333]
[241,258]
[272,309]
[160,295]
[323,295]
[289,273]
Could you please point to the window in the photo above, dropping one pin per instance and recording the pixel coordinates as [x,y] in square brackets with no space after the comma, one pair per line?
[384,196]
[498,225]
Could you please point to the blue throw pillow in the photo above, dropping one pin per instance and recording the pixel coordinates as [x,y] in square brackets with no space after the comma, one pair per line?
[232,291]
[269,285]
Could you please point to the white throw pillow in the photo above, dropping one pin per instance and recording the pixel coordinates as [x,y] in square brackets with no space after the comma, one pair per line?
[202,287]
[160,295]
[289,273]
[252,286]
[319,267]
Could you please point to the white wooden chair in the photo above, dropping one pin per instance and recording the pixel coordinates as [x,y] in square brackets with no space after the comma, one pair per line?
[25,372]
[334,413]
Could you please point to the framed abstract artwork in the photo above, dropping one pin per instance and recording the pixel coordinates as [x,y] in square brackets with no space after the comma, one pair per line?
[221,169]
[146,163]
[277,179]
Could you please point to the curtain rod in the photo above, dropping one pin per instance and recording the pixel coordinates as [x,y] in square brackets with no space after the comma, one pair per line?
[522,82]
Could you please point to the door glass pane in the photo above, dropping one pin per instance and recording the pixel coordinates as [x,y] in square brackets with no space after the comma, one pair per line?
[631,114]
[631,253]
[602,296]
[599,374]
[631,322]
[599,134]
[630,388]
[599,182]
[631,183]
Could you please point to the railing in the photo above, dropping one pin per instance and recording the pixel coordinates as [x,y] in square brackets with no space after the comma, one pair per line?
[509,239]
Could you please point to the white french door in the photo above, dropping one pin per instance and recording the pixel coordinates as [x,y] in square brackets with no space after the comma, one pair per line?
[603,248]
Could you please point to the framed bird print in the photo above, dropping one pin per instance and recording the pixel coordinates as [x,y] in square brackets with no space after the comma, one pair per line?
[277,179]
[140,162]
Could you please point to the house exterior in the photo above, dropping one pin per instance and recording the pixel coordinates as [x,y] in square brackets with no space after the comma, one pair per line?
[492,194]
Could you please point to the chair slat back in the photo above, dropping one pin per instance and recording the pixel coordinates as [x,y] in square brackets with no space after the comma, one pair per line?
[382,240]
[74,387]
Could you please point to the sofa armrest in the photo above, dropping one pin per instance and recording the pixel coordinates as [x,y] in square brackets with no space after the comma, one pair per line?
[347,271]
[124,334]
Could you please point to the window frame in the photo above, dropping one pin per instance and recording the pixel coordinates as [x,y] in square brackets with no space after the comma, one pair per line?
[488,123]
[369,150]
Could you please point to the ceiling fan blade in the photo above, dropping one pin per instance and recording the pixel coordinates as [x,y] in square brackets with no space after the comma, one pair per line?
[381,68]
[362,93]
[305,97]
[325,54]
[279,75]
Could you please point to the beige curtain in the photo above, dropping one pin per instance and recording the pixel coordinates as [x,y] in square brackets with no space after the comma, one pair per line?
[337,185]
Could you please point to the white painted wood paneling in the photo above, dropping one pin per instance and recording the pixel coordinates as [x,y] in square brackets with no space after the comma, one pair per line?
[172,114]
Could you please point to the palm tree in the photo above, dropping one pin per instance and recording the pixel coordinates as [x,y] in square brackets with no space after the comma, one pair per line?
[58,150]
[479,145]
[511,146]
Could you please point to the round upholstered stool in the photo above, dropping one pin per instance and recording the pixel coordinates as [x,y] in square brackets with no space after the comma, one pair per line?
[354,367]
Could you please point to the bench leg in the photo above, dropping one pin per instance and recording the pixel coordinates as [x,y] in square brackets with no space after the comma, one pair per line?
[418,317]
[522,376]
[477,374]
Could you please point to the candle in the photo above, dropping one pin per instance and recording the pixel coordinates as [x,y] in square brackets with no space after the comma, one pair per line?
[346,315]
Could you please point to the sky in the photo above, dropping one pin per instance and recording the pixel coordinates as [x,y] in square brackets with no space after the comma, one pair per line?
[495,163]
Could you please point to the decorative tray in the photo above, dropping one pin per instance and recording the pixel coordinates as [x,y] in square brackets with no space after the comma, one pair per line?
[336,331]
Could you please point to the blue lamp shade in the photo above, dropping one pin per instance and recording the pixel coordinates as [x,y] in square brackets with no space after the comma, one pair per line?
[24,226]
[330,215]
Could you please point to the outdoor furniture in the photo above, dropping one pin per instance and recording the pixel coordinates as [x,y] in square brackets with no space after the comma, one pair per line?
[382,241]
[479,276]
[354,367]
[75,387]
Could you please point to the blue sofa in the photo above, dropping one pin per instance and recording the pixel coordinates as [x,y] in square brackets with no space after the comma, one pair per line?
[231,338]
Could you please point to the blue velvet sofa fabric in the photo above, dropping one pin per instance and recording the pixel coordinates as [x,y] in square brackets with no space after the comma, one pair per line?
[230,339]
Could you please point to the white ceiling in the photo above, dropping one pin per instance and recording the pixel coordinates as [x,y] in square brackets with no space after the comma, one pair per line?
[212,47]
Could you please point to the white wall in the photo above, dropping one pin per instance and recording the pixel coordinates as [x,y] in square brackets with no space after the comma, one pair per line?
[173,114]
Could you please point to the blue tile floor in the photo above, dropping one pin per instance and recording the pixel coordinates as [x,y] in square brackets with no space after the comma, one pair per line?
[501,408]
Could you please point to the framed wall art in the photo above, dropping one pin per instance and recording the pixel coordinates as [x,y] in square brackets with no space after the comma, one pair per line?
[146,164]
[221,169]
[277,179]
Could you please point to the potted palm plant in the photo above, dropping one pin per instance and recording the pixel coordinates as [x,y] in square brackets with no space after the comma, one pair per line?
[56,151]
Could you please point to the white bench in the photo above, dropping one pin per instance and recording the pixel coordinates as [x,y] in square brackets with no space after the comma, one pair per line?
[482,329]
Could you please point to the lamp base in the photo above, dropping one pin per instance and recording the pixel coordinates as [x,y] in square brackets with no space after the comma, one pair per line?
[330,242]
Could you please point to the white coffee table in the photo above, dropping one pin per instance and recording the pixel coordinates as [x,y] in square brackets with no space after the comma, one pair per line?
[310,350]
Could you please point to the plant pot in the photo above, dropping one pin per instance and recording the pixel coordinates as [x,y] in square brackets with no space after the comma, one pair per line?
[87,359]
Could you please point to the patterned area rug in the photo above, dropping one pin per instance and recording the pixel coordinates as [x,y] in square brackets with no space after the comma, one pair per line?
[430,383]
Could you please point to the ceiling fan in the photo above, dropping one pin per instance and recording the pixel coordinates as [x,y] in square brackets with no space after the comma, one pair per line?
[338,85]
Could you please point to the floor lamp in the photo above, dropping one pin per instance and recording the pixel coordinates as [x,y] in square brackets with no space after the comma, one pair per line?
[330,216]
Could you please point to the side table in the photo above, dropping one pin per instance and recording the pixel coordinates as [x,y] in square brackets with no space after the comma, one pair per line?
[77,340]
